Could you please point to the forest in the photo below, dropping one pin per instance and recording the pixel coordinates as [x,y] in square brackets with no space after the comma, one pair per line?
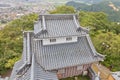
[104,33]
[104,6]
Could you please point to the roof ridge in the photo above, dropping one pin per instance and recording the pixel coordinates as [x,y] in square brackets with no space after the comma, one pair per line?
[43,23]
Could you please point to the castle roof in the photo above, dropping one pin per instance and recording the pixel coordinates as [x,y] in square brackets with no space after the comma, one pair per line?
[58,25]
[39,61]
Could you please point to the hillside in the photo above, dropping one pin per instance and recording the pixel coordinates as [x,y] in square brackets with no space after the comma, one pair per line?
[112,8]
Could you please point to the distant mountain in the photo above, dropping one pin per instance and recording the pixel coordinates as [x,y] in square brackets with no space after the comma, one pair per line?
[43,1]
[88,1]
[111,7]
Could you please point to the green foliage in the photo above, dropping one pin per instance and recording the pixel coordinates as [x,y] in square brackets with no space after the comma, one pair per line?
[108,44]
[116,27]
[105,35]
[102,6]
[11,40]
[94,20]
[63,10]
[11,62]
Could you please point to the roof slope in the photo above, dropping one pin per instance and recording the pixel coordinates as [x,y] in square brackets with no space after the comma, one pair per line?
[57,25]
[65,55]
[40,73]
[34,72]
[14,71]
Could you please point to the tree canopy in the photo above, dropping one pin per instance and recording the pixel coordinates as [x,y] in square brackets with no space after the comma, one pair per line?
[105,36]
[103,6]
[11,40]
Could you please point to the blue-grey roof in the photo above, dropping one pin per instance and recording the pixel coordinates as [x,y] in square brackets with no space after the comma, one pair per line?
[33,72]
[25,76]
[40,73]
[58,25]
[64,55]
[14,71]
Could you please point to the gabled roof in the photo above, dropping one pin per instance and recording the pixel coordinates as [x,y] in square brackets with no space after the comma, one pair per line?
[58,25]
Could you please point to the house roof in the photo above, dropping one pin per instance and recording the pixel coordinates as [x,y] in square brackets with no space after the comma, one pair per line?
[34,72]
[14,71]
[40,73]
[58,25]
[65,55]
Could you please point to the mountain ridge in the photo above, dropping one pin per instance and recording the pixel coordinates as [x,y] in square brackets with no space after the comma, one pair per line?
[112,8]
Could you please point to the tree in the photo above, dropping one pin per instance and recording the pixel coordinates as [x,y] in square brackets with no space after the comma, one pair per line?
[11,40]
[116,28]
[108,44]
[95,20]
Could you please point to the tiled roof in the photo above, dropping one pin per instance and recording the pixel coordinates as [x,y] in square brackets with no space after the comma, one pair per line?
[58,25]
[42,74]
[14,72]
[34,72]
[25,76]
[64,55]
[38,73]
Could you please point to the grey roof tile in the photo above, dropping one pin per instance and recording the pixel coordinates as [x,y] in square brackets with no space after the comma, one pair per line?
[15,68]
[61,26]
[42,74]
[26,76]
[37,27]
[64,55]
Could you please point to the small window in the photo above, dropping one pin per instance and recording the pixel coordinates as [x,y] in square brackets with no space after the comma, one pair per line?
[52,40]
[61,71]
[79,67]
[68,38]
